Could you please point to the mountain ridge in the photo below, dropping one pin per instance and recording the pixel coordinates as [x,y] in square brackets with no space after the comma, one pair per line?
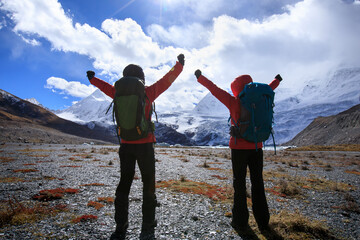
[21,120]
[342,128]
[207,123]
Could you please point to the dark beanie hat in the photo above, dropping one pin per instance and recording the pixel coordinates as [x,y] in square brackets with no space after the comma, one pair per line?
[133,70]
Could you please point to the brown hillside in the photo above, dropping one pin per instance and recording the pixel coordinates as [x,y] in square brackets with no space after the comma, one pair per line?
[21,120]
[343,128]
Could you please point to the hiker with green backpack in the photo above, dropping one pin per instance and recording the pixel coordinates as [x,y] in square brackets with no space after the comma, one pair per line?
[132,111]
[251,110]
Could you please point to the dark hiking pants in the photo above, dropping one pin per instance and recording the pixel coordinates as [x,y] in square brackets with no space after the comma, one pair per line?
[144,155]
[241,159]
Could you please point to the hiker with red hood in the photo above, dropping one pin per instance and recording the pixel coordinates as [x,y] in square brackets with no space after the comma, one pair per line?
[140,150]
[243,154]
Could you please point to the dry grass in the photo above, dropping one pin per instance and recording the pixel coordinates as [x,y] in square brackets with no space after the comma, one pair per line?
[83,155]
[219,177]
[84,218]
[37,155]
[70,166]
[13,212]
[6,159]
[294,226]
[213,192]
[290,189]
[290,186]
[339,147]
[204,165]
[350,205]
[353,172]
[11,180]
[28,150]
[52,194]
[25,170]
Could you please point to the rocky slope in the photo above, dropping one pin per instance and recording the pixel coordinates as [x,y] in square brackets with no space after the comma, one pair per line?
[23,121]
[343,128]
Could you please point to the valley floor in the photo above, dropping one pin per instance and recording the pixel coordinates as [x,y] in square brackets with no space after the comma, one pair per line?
[311,194]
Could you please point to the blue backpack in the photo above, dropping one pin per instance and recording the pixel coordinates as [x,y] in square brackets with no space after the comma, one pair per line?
[256,119]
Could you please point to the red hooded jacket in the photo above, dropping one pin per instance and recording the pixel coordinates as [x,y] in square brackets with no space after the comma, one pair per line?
[233,104]
[152,92]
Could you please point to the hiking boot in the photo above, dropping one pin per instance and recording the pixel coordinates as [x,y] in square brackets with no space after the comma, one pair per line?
[118,236]
[120,232]
[148,226]
[264,228]
[239,228]
[148,230]
[147,235]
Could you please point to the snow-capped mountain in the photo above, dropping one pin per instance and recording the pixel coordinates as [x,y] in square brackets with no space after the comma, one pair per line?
[89,109]
[207,123]
[318,98]
[34,101]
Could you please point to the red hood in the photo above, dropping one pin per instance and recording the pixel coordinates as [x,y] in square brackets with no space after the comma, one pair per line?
[239,83]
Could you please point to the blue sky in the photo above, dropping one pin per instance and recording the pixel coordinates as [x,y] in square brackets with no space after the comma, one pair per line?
[48,45]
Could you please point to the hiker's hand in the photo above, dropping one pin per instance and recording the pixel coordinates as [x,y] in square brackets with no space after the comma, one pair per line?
[278,77]
[90,74]
[197,73]
[181,59]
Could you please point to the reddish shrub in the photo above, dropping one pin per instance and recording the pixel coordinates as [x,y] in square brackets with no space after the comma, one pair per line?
[84,218]
[353,172]
[25,170]
[96,205]
[219,177]
[70,166]
[106,199]
[187,186]
[52,194]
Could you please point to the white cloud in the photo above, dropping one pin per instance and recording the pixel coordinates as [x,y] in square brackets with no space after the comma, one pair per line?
[112,48]
[32,42]
[189,36]
[303,41]
[75,89]
[190,11]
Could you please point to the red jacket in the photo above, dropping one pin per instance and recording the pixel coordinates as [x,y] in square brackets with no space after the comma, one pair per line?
[152,92]
[233,104]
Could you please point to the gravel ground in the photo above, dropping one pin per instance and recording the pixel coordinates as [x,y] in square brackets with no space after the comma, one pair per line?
[180,215]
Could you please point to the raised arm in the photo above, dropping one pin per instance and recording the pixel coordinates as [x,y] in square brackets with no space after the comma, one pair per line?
[105,87]
[226,98]
[275,83]
[165,82]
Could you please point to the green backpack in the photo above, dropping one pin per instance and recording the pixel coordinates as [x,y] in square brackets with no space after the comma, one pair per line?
[129,109]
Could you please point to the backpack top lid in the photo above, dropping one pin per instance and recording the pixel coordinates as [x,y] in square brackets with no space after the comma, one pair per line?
[254,91]
[239,83]
[129,86]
